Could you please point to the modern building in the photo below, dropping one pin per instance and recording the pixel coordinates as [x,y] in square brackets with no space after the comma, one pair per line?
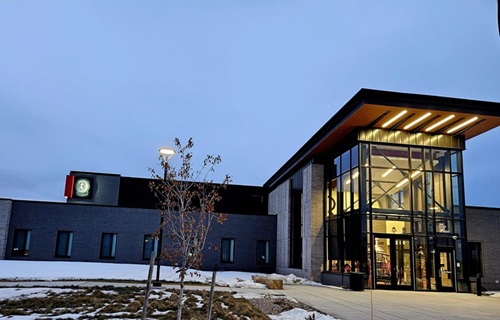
[378,191]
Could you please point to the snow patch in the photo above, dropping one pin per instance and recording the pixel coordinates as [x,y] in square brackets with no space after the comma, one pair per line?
[298,313]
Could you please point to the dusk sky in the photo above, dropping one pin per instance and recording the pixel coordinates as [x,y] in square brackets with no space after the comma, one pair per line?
[100,85]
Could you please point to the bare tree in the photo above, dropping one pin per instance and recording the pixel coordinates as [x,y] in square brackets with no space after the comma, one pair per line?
[187,201]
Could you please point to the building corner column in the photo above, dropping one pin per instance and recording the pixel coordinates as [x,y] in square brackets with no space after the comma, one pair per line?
[5,213]
[279,205]
[313,210]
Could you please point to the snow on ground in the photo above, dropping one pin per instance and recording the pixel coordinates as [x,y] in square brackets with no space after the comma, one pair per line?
[494,294]
[64,270]
[21,293]
[300,314]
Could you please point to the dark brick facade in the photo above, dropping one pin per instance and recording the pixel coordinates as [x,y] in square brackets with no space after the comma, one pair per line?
[482,227]
[88,222]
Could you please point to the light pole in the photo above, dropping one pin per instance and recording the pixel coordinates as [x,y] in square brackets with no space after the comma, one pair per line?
[165,153]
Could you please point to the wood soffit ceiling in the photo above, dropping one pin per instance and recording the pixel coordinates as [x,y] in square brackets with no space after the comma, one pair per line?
[376,116]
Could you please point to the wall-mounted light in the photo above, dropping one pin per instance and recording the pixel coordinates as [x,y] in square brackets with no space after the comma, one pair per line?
[463,124]
[394,229]
[414,122]
[437,124]
[396,117]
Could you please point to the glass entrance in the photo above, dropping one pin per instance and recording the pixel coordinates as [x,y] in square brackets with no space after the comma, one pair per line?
[445,273]
[393,262]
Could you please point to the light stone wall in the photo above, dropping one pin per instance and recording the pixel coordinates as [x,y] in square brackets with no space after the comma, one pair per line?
[5,212]
[312,224]
[279,205]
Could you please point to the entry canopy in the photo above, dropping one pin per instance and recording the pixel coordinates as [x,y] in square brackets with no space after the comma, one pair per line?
[396,111]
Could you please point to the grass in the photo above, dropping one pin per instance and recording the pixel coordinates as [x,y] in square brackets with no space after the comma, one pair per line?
[126,302]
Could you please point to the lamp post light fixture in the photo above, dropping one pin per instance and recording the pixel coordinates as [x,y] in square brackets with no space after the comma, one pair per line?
[165,153]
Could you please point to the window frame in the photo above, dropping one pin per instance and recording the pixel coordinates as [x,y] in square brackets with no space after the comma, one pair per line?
[231,248]
[147,238]
[68,244]
[26,239]
[112,249]
[266,253]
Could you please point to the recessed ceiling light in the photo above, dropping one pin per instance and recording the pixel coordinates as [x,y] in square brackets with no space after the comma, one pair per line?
[402,182]
[416,173]
[408,126]
[385,174]
[437,124]
[463,124]
[396,117]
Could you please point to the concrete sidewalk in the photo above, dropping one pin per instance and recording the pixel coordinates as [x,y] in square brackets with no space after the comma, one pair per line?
[389,305]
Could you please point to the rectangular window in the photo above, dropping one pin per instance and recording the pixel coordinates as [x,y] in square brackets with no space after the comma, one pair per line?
[456,161]
[64,244]
[456,187]
[441,160]
[108,246]
[336,167]
[21,243]
[346,161]
[332,246]
[332,205]
[263,251]
[227,251]
[150,244]
[345,188]
[354,157]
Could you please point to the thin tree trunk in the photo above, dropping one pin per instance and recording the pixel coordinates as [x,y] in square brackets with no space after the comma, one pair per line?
[181,296]
[148,286]
[211,296]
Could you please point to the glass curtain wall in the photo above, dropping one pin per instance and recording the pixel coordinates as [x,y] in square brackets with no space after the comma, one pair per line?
[344,240]
[401,196]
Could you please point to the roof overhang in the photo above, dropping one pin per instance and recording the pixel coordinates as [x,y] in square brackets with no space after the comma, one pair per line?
[396,111]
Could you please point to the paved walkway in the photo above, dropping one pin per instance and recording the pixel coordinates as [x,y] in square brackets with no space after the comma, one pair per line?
[389,305]
[350,305]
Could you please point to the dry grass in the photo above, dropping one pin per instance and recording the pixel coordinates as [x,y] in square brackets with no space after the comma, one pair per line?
[126,302]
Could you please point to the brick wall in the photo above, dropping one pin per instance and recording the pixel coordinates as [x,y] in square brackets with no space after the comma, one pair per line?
[313,200]
[483,226]
[88,222]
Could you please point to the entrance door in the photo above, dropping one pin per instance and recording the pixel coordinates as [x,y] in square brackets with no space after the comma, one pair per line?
[393,262]
[445,269]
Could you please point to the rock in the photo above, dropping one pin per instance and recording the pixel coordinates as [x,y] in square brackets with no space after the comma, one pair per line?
[274,284]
